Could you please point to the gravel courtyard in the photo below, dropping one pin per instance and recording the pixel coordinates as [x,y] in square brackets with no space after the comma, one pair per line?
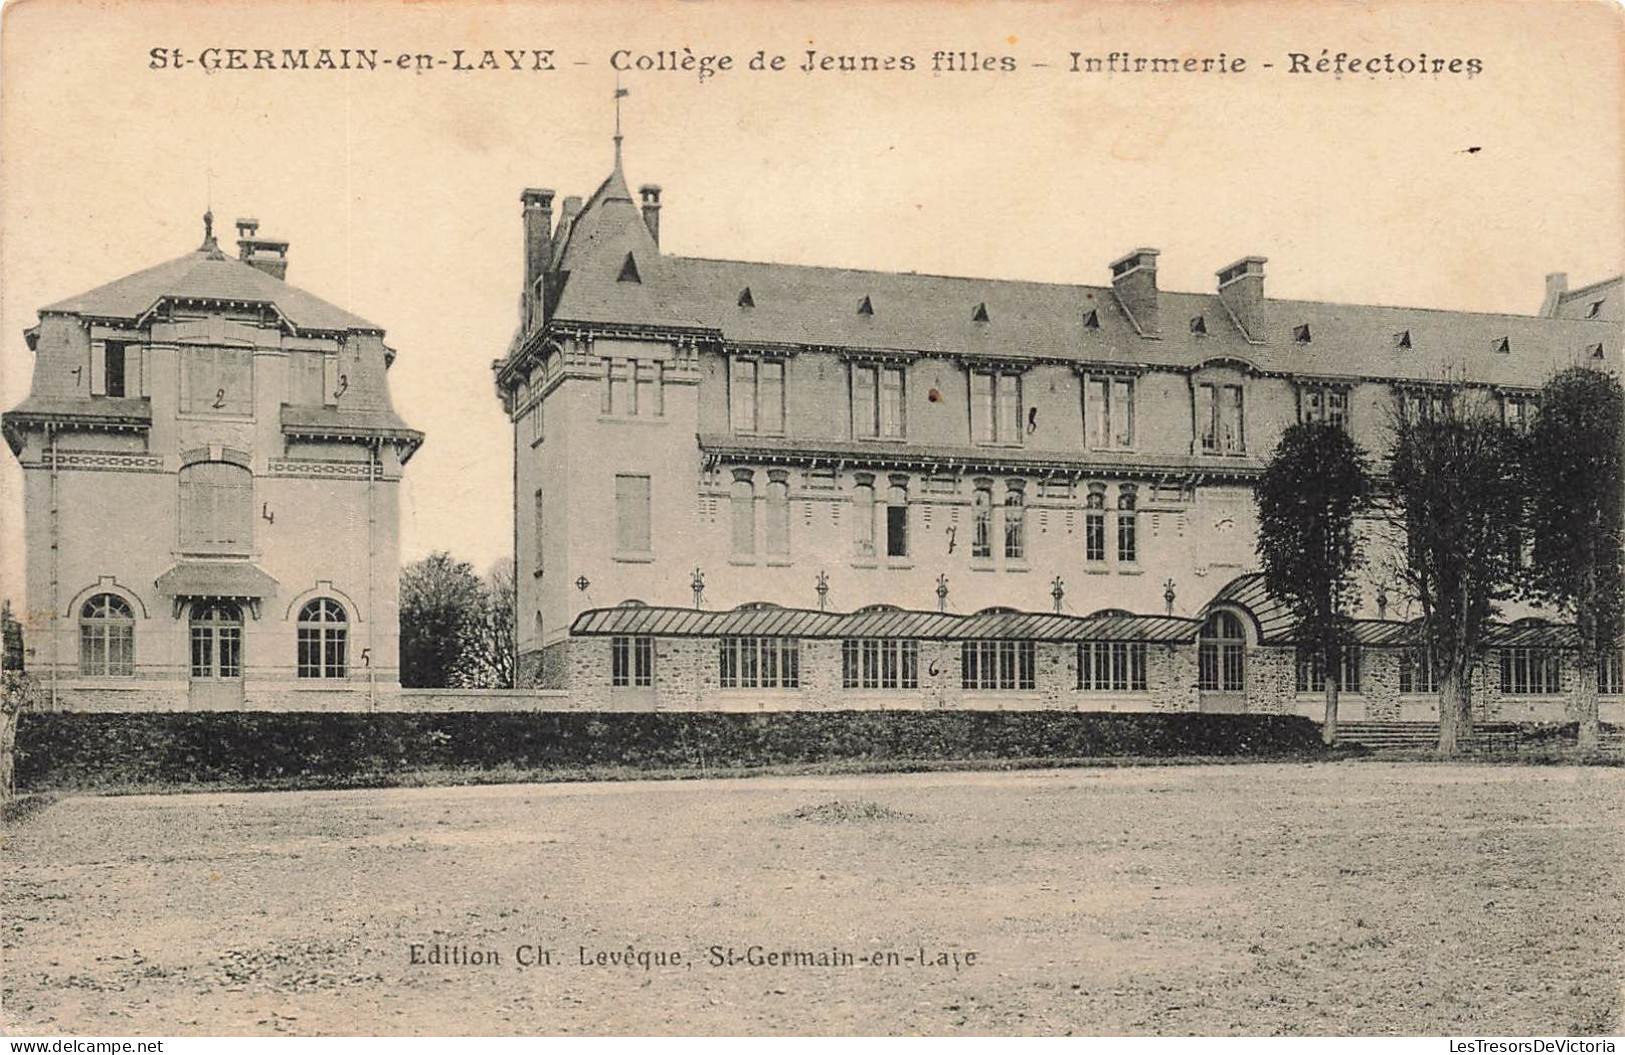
[1328,898]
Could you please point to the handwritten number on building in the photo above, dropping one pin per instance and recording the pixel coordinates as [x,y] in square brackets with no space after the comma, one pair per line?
[219,399]
[344,386]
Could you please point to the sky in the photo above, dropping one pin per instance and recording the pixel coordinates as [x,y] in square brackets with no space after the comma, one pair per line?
[399,190]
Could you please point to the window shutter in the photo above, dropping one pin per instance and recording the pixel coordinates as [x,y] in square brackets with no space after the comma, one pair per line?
[98,368]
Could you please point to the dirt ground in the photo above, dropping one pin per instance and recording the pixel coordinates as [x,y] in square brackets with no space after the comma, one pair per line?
[1269,899]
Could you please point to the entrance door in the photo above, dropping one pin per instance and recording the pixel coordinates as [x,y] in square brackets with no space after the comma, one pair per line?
[217,656]
[1222,665]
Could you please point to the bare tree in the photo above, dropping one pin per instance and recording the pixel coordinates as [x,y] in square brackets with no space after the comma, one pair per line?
[488,655]
[1454,479]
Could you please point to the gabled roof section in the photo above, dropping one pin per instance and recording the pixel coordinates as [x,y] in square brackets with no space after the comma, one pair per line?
[209,276]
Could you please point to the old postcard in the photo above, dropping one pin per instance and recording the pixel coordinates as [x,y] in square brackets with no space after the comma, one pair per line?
[860,518]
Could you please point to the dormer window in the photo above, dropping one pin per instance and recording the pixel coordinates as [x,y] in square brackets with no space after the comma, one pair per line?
[1199,326]
[1503,345]
[1091,319]
[1402,339]
[1596,308]
[1595,350]
[865,308]
[629,271]
[745,299]
[1301,333]
[980,314]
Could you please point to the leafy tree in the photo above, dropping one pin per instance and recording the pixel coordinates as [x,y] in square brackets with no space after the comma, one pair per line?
[487,661]
[11,639]
[1574,465]
[1315,485]
[441,602]
[1454,478]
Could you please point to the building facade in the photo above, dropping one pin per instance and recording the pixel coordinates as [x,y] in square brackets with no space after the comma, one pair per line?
[698,437]
[210,464]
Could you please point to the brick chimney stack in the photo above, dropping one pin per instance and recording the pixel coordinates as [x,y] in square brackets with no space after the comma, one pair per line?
[1134,277]
[538,217]
[1241,288]
[650,193]
[269,256]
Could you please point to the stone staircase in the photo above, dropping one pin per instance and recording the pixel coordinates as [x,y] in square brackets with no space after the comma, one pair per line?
[1487,738]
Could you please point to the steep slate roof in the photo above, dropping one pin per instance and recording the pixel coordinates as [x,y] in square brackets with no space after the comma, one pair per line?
[1577,303]
[209,275]
[796,305]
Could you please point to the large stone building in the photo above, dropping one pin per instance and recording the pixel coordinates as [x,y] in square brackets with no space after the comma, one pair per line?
[755,484]
[210,465]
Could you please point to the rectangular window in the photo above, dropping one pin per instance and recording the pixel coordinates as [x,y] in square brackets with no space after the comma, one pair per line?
[651,390]
[1312,678]
[863,520]
[756,395]
[1128,536]
[742,393]
[632,662]
[536,430]
[1610,674]
[778,518]
[217,381]
[1015,527]
[1112,666]
[1326,404]
[1518,409]
[1094,535]
[897,529]
[618,392]
[115,368]
[873,663]
[1221,666]
[1109,413]
[1219,418]
[539,534]
[995,408]
[217,508]
[1416,674]
[759,663]
[632,514]
[981,546]
[877,402]
[996,665]
[1531,672]
[770,396]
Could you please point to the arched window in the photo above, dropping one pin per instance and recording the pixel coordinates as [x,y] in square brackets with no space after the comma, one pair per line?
[743,502]
[1222,661]
[217,507]
[778,516]
[863,518]
[1128,534]
[981,545]
[1094,524]
[1015,526]
[323,639]
[897,519]
[106,637]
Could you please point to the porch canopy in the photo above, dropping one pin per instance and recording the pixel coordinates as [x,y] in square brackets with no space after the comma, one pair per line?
[237,580]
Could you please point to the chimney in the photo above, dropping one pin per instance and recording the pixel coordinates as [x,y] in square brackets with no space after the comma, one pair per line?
[650,193]
[538,214]
[567,216]
[1134,278]
[1241,288]
[1557,284]
[269,256]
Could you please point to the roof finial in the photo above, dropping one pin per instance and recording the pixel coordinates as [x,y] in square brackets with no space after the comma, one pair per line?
[620,93]
[209,243]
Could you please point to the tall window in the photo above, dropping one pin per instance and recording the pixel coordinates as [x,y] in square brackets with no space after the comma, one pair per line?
[1416,674]
[1326,404]
[743,503]
[1015,525]
[1611,674]
[310,377]
[1219,418]
[994,665]
[540,535]
[1222,656]
[1128,528]
[995,407]
[778,515]
[632,514]
[897,521]
[877,402]
[1094,525]
[1109,416]
[1312,675]
[1111,666]
[650,394]
[217,507]
[106,637]
[618,391]
[1531,672]
[756,394]
[759,663]
[113,370]
[217,381]
[871,663]
[631,662]
[981,543]
[863,518]
[323,635]
[217,641]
